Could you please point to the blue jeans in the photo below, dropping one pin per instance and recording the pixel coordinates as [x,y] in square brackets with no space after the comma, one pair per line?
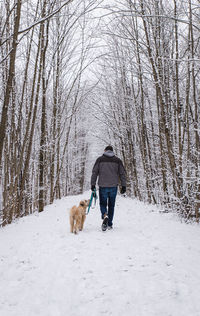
[107,198]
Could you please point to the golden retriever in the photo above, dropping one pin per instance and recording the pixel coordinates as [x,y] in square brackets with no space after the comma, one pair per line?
[77,216]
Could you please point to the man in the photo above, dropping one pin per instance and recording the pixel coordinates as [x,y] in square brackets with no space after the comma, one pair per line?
[108,168]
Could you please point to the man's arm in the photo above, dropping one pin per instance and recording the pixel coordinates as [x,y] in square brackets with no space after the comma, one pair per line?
[95,173]
[122,174]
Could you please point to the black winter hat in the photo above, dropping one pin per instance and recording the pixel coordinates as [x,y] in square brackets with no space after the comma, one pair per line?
[109,148]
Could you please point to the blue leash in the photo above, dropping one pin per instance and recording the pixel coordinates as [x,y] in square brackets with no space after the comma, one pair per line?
[93,196]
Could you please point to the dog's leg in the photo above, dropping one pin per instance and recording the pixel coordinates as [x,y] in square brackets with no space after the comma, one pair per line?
[82,222]
[76,226]
[71,224]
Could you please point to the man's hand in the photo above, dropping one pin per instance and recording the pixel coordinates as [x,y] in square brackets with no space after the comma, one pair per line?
[123,190]
[93,187]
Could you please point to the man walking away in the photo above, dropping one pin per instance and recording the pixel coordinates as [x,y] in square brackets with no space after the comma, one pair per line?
[109,169]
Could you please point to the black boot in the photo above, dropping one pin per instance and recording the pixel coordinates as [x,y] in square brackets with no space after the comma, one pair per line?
[104,225]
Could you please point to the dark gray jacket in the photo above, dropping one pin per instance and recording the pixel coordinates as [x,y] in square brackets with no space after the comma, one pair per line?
[110,169]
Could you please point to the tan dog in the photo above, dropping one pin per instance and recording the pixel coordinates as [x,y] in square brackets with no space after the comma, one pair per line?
[77,216]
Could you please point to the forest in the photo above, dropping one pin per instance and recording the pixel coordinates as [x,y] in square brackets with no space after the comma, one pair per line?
[79,73]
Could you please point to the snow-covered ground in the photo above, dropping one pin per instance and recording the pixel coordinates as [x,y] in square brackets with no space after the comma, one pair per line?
[149,265]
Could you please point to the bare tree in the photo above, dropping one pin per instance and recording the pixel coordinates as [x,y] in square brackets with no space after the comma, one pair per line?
[152,97]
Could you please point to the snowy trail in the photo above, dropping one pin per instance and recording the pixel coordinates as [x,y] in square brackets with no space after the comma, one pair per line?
[147,266]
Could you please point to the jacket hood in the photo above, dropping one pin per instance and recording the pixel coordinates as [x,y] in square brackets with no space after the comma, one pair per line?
[109,153]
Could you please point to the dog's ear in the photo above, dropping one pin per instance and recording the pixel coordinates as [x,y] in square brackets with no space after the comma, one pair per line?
[82,203]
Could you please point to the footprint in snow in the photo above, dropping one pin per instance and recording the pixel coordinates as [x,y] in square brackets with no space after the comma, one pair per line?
[89,272]
[145,265]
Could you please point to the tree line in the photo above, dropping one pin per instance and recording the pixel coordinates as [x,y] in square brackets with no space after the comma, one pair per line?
[136,72]
[150,99]
[43,56]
